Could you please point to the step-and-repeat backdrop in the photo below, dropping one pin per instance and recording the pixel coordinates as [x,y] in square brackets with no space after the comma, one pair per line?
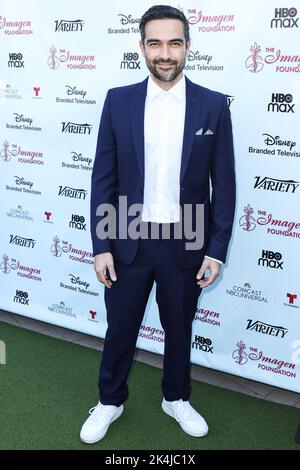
[57,62]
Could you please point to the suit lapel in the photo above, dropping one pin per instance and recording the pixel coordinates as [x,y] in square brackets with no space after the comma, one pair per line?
[137,111]
[192,119]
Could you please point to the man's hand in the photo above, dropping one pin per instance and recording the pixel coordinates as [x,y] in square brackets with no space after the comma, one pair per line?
[214,267]
[102,263]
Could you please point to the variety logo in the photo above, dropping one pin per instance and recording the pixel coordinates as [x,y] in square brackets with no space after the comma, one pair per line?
[75,128]
[72,61]
[9,93]
[15,60]
[266,329]
[285,18]
[130,61]
[292,298]
[24,156]
[230,100]
[269,259]
[68,25]
[22,241]
[62,309]
[21,297]
[272,184]
[203,344]
[75,95]
[209,23]
[7,265]
[207,316]
[77,222]
[264,362]
[19,213]
[74,193]
[276,141]
[246,292]
[249,223]
[15,27]
[256,62]
[281,103]
[75,254]
[202,62]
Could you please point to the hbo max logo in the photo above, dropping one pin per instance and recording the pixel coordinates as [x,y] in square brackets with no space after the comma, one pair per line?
[285,18]
[281,103]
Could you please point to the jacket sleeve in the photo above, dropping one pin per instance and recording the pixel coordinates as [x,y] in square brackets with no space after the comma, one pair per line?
[104,181]
[222,175]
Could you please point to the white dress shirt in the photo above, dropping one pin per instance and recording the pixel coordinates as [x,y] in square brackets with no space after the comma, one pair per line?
[163,131]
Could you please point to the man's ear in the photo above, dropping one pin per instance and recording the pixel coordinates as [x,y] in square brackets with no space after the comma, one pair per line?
[141,44]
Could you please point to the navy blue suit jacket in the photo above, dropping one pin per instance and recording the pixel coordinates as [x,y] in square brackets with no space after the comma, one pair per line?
[119,167]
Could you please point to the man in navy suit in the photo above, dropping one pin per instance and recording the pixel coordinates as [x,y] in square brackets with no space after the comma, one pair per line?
[161,143]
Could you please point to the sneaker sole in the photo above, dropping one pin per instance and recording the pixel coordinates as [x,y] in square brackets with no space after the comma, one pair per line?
[169,413]
[105,429]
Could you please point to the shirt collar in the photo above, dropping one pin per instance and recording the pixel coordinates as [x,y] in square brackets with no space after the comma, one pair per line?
[177,90]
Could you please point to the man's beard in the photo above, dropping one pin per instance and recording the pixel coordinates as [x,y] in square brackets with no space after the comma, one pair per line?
[165,75]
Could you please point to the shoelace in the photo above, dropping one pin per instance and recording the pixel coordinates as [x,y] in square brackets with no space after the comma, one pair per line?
[97,412]
[183,410]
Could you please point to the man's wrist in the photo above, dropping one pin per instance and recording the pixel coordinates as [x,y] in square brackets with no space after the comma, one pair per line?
[214,259]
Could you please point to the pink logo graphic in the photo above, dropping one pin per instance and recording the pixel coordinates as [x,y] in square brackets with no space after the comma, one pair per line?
[75,254]
[55,249]
[255,63]
[265,363]
[24,156]
[239,354]
[76,61]
[5,266]
[247,221]
[5,152]
[2,22]
[284,62]
[53,60]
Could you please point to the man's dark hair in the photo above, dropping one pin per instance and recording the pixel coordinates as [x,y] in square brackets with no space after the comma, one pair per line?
[159,12]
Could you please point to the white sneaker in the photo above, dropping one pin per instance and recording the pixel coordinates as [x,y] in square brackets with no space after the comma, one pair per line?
[188,418]
[96,426]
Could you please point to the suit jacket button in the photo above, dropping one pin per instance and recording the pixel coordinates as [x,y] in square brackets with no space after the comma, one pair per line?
[181,189]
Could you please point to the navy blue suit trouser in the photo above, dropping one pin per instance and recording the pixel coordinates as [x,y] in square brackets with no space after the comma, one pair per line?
[177,294]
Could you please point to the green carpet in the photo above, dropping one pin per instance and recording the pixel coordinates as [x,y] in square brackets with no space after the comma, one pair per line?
[48,385]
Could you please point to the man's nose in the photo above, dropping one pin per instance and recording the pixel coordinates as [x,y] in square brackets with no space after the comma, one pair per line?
[165,52]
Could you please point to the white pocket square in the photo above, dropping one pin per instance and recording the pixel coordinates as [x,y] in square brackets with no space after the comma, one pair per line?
[208,132]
